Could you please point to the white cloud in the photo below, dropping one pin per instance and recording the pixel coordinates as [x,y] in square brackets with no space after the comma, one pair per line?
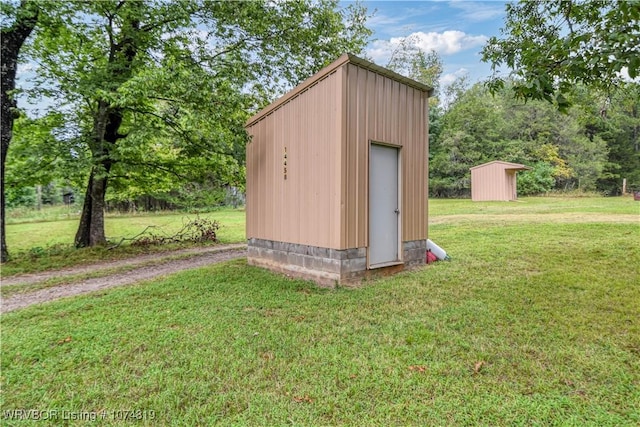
[379,20]
[380,51]
[449,78]
[445,43]
[475,11]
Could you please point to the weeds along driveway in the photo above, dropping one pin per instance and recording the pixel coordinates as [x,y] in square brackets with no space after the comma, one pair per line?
[143,268]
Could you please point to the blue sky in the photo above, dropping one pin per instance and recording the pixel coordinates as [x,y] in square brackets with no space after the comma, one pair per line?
[455,29]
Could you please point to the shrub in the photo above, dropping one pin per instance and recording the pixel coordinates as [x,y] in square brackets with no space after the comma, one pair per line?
[539,180]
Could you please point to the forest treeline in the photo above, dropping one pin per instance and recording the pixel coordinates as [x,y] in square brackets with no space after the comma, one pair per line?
[142,103]
[591,147]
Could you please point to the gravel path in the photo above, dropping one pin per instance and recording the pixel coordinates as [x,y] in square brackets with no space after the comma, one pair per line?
[200,258]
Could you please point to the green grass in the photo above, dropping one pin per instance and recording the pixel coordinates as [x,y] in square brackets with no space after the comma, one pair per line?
[45,213]
[22,288]
[551,310]
[28,234]
[537,205]
[42,240]
[45,245]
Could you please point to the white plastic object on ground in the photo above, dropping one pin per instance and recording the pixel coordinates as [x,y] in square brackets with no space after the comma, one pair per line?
[436,250]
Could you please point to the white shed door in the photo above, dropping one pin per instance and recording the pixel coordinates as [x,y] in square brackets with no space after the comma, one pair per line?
[384,213]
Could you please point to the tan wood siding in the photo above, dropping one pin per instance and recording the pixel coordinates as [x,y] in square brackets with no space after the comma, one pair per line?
[383,110]
[327,125]
[495,181]
[305,207]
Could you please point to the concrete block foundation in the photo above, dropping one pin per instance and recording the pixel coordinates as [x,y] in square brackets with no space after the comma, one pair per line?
[325,266]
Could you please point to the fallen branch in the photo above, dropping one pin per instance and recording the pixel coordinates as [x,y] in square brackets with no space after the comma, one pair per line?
[196,231]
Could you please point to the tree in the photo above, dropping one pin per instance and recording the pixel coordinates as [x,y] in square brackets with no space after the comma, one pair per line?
[411,61]
[471,134]
[155,85]
[22,20]
[553,45]
[621,131]
[479,128]
[41,156]
[538,180]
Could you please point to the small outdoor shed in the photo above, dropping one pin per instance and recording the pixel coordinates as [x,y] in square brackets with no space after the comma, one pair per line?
[337,175]
[495,181]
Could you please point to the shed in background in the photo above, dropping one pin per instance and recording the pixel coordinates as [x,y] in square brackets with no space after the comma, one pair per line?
[337,175]
[495,181]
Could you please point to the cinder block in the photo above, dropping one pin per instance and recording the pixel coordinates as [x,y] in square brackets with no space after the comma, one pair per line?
[331,265]
[307,262]
[337,254]
[319,252]
[295,259]
[343,265]
[354,264]
[279,257]
[353,253]
[317,263]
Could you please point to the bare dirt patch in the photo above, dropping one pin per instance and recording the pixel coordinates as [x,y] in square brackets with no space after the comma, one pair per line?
[161,265]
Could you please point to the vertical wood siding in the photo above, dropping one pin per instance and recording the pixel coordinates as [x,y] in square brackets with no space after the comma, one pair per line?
[494,181]
[304,208]
[383,110]
[327,127]
[487,183]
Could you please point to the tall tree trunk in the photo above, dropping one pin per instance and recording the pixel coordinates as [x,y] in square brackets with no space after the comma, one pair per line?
[13,38]
[91,229]
[106,125]
[6,130]
[105,130]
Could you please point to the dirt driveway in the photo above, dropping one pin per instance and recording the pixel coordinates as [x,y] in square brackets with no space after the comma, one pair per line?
[137,269]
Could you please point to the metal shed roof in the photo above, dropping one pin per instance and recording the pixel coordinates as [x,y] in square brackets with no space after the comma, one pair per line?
[505,165]
[343,59]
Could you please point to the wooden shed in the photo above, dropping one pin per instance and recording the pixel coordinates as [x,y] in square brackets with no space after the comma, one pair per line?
[495,181]
[337,175]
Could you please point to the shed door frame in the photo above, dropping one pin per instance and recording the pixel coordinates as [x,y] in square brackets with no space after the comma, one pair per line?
[512,192]
[399,213]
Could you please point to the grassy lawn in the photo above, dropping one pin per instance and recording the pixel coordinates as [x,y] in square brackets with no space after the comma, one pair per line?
[42,240]
[51,230]
[531,323]
[47,243]
[537,206]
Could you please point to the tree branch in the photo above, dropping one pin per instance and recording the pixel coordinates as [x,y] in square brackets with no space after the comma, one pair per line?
[161,98]
[567,17]
[158,167]
[180,130]
[152,26]
[175,126]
